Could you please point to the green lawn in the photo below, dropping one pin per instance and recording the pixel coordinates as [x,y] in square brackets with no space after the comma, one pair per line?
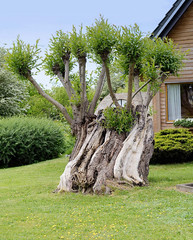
[29,209]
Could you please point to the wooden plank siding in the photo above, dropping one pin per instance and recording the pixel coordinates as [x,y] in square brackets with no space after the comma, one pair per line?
[182,35]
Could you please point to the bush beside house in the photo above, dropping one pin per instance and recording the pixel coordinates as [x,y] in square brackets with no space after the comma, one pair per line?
[173,146]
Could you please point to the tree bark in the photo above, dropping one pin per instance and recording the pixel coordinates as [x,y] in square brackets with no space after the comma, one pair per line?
[130,85]
[50,99]
[133,161]
[67,83]
[114,99]
[103,155]
[98,91]
[138,90]
[82,74]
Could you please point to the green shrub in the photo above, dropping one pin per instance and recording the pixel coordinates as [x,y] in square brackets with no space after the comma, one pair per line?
[173,146]
[69,140]
[27,140]
[119,120]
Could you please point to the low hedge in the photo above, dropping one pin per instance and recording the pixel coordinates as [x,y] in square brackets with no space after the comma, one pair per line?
[173,146]
[26,140]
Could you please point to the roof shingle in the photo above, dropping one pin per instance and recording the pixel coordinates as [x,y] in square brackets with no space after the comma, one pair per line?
[171,18]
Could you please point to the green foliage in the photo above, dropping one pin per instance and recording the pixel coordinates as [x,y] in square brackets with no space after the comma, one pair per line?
[69,140]
[28,140]
[12,91]
[165,55]
[91,83]
[23,58]
[187,123]
[119,120]
[38,106]
[75,81]
[59,49]
[12,95]
[101,37]
[2,57]
[60,94]
[78,43]
[149,70]
[151,59]
[118,81]
[130,45]
[173,146]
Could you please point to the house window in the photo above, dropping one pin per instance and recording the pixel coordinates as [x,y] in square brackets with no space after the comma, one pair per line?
[179,101]
[121,102]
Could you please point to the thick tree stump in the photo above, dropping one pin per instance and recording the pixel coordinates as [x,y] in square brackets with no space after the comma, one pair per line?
[106,155]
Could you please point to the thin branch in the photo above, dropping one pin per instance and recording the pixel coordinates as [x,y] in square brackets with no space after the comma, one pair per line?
[98,91]
[141,88]
[110,86]
[70,91]
[59,75]
[50,99]
[66,78]
[151,93]
[136,84]
[82,74]
[130,85]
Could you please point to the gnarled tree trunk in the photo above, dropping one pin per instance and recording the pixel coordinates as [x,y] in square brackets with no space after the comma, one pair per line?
[101,154]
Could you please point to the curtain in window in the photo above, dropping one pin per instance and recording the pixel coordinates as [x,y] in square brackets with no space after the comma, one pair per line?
[174,101]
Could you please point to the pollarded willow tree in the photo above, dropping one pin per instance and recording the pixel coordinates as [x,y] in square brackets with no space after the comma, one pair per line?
[117,143]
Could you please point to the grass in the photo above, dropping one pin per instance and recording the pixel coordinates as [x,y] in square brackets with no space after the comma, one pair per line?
[30,211]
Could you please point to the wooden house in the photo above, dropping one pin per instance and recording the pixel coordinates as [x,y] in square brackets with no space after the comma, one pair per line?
[175,99]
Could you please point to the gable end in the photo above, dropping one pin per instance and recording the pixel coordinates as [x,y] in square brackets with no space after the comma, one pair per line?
[171,18]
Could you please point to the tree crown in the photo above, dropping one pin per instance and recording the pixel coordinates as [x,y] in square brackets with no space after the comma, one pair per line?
[59,49]
[23,58]
[78,43]
[138,55]
[102,37]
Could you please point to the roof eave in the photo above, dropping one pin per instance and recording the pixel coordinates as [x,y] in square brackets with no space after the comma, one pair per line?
[163,31]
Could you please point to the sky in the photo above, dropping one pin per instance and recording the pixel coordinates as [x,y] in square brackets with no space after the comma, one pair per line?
[39,19]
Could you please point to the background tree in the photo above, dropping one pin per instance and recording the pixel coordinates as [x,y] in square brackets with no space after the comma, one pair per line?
[103,151]
[12,91]
[38,106]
